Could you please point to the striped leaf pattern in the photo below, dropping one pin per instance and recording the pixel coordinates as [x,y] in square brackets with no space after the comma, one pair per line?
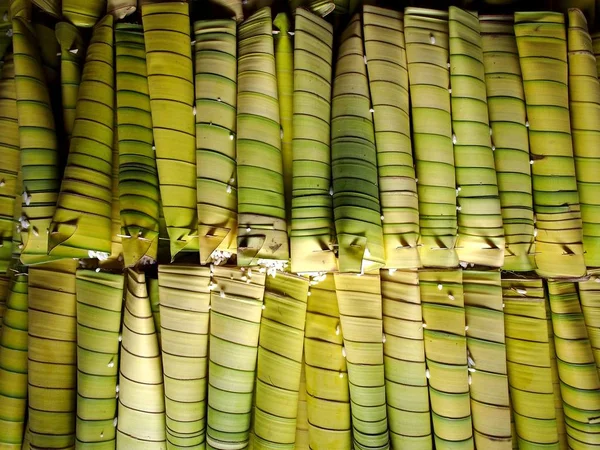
[359,302]
[52,355]
[487,352]
[83,14]
[154,304]
[39,147]
[327,391]
[139,195]
[312,229]
[99,304]
[302,438]
[596,49]
[116,245]
[356,205]
[427,55]
[510,140]
[407,394]
[184,314]
[480,229]
[216,100]
[141,409]
[236,309]
[442,298]
[541,41]
[279,361]
[81,226]
[72,55]
[584,104]
[10,155]
[13,365]
[171,87]
[4,289]
[262,229]
[589,296]
[528,361]
[284,69]
[385,54]
[577,371]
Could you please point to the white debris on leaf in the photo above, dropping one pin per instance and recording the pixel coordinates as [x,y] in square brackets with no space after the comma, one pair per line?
[101,256]
[24,222]
[220,257]
[470,361]
[273,265]
[314,277]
